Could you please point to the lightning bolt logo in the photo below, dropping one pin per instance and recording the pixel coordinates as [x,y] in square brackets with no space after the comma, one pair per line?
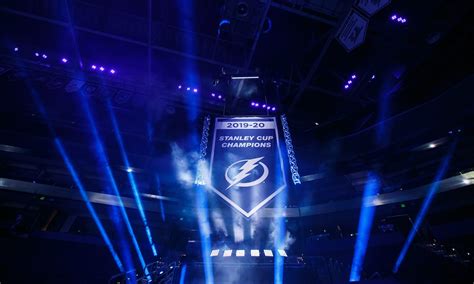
[245,169]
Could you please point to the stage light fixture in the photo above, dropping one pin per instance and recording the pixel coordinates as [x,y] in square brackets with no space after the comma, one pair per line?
[349,82]
[264,106]
[129,170]
[466,181]
[44,56]
[353,76]
[101,68]
[268,252]
[394,17]
[93,67]
[112,71]
[256,104]
[64,60]
[16,49]
[188,89]
[179,87]
[346,87]
[220,97]
[195,90]
[37,54]
[255,252]
[213,95]
[215,252]
[432,145]
[227,252]
[161,272]
[240,253]
[373,77]
[252,104]
[268,108]
[282,252]
[273,108]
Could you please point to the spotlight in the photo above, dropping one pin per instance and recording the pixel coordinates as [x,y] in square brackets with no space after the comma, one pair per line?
[213,95]
[316,123]
[353,76]
[346,87]
[264,106]
[373,77]
[227,252]
[273,108]
[220,97]
[94,67]
[349,82]
[195,90]
[64,60]
[240,252]
[179,87]
[112,71]
[16,49]
[37,54]
[44,56]
[268,252]
[399,19]
[101,68]
[129,170]
[161,272]
[432,145]
[256,104]
[268,107]
[394,17]
[215,252]
[253,104]
[255,252]
[188,89]
[466,181]
[403,21]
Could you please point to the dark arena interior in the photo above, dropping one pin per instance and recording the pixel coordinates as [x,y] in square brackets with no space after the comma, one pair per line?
[236,141]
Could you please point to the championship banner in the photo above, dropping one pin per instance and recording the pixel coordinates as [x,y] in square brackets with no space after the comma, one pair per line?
[246,167]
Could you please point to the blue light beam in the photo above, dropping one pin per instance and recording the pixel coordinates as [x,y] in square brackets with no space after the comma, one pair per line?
[365,224]
[102,156]
[76,179]
[424,207]
[183,274]
[91,209]
[204,231]
[131,178]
